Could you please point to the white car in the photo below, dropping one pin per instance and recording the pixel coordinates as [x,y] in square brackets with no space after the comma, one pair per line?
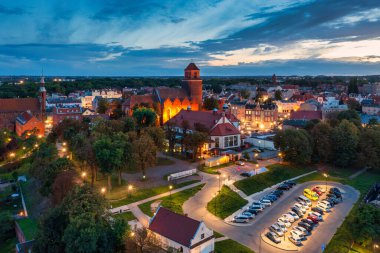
[248,214]
[295,241]
[237,219]
[295,216]
[317,215]
[285,221]
[325,202]
[305,205]
[242,216]
[289,217]
[265,202]
[301,207]
[274,228]
[302,230]
[296,234]
[282,226]
[324,208]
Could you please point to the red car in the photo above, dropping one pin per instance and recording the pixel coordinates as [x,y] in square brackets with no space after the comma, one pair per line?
[314,219]
[319,192]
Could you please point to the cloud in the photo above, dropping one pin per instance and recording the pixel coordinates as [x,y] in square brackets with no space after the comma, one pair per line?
[11,10]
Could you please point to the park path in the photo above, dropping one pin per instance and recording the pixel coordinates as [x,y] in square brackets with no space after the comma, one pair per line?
[358,173]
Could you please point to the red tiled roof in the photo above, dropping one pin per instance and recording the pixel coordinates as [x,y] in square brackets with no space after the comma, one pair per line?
[206,118]
[171,93]
[139,99]
[224,129]
[301,97]
[19,104]
[289,87]
[24,117]
[173,226]
[192,66]
[306,115]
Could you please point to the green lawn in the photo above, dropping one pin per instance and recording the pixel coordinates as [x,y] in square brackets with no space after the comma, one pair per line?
[149,192]
[127,216]
[275,174]
[229,246]
[8,246]
[214,169]
[341,241]
[173,202]
[218,235]
[28,227]
[225,203]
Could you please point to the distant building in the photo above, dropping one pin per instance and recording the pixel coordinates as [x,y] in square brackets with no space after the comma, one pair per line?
[62,101]
[331,104]
[181,233]
[284,107]
[170,101]
[88,98]
[371,109]
[61,112]
[306,115]
[26,122]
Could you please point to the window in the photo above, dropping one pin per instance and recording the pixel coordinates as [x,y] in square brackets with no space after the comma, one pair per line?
[231,141]
[202,236]
[235,140]
[217,142]
[225,142]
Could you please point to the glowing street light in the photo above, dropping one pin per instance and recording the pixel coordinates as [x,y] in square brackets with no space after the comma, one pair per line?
[132,234]
[84,174]
[64,144]
[36,145]
[130,187]
[103,190]
[325,175]
[170,188]
[12,154]
[23,148]
[64,150]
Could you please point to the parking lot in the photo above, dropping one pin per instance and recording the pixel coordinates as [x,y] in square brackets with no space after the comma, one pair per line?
[250,235]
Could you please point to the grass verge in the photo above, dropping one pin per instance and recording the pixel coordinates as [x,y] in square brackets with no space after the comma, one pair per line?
[276,173]
[225,203]
[127,216]
[228,246]
[173,202]
[137,195]
[214,169]
[28,227]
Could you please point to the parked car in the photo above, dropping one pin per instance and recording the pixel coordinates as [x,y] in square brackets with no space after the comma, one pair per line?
[297,211]
[265,202]
[278,193]
[329,200]
[256,150]
[288,217]
[271,197]
[317,191]
[248,215]
[301,207]
[256,203]
[302,230]
[306,226]
[322,189]
[283,187]
[297,234]
[317,209]
[241,163]
[324,208]
[252,211]
[294,215]
[282,226]
[334,200]
[242,216]
[310,222]
[313,219]
[318,215]
[245,174]
[238,219]
[258,208]
[330,195]
[302,199]
[334,189]
[285,221]
[275,229]
[273,237]
[295,241]
[290,182]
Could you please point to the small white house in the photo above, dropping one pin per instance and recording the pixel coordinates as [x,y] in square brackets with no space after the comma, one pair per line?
[181,232]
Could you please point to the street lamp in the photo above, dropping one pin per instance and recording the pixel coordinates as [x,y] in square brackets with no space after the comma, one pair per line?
[375,246]
[219,181]
[170,188]
[84,174]
[257,167]
[144,177]
[325,175]
[103,190]
[12,155]
[130,187]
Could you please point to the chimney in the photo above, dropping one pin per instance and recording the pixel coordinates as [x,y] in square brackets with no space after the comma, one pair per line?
[224,117]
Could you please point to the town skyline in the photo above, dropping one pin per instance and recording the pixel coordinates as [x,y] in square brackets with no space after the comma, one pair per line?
[157,38]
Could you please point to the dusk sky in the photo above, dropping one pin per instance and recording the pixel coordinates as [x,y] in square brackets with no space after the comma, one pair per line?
[223,37]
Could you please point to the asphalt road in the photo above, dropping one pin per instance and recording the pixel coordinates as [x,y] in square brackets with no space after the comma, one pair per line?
[250,235]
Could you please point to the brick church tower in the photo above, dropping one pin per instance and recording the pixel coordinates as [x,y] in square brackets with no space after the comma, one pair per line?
[192,83]
[42,97]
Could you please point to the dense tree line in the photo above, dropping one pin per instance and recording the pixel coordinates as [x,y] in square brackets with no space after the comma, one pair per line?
[340,140]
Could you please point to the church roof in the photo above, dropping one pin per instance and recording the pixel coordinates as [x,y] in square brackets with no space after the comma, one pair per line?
[192,66]
[24,117]
[224,129]
[171,93]
[19,105]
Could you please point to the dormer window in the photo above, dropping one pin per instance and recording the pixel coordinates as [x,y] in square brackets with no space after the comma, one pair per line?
[202,236]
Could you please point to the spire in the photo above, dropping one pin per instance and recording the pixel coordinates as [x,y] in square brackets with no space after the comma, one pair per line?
[42,82]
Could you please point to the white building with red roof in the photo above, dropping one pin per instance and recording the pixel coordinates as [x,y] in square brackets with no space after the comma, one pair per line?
[223,127]
[182,233]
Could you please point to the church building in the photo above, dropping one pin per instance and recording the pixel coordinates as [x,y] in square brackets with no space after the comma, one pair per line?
[170,101]
[11,108]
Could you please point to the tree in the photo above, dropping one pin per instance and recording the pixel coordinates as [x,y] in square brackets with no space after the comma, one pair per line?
[369,147]
[353,104]
[185,125]
[216,88]
[321,134]
[277,95]
[365,225]
[144,117]
[350,115]
[245,94]
[170,135]
[51,172]
[63,183]
[195,141]
[157,134]
[345,140]
[108,156]
[296,145]
[42,157]
[7,229]
[145,241]
[102,106]
[353,86]
[210,103]
[144,153]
